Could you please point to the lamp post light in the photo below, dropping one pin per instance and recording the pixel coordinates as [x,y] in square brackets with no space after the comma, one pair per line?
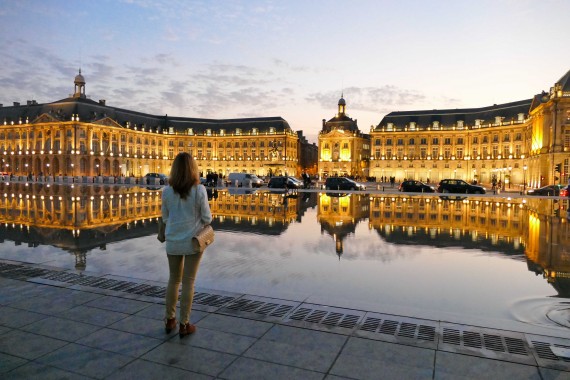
[97,170]
[72,170]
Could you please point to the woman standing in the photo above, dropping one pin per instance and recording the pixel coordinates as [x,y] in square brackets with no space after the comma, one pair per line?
[185,210]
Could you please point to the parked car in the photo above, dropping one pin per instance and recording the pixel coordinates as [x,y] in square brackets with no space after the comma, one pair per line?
[242,178]
[416,187]
[565,192]
[151,178]
[343,183]
[459,186]
[282,182]
[546,190]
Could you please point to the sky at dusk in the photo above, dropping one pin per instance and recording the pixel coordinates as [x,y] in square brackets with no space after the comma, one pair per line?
[294,59]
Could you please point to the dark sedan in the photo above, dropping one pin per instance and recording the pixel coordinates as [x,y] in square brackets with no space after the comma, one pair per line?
[546,190]
[416,187]
[459,186]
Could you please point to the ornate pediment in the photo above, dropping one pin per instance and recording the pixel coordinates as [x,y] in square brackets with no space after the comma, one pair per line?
[336,133]
[108,122]
[45,118]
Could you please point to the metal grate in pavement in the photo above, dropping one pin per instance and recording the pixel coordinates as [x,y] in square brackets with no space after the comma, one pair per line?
[488,343]
[325,318]
[398,329]
[261,308]
[550,352]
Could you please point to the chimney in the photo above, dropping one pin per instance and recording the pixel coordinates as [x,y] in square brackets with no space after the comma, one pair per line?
[102,102]
[16,104]
[29,102]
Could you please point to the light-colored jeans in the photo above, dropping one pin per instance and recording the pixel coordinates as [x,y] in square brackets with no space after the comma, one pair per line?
[183,268]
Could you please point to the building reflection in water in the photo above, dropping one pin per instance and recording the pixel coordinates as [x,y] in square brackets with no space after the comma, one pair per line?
[79,219]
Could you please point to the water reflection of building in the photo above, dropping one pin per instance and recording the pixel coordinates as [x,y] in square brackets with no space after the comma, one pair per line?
[78,219]
[267,213]
[339,214]
[483,223]
[548,248]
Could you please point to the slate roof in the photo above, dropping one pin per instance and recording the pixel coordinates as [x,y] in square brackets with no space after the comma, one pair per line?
[91,111]
[448,117]
[565,82]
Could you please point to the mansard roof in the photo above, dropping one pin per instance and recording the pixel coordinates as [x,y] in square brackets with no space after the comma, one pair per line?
[564,82]
[91,111]
[448,117]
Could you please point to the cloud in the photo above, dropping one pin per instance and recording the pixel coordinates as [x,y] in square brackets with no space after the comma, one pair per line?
[372,99]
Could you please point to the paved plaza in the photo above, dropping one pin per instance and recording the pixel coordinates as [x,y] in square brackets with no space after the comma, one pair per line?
[57,324]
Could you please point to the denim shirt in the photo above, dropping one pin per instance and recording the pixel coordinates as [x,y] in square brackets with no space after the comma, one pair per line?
[184,218]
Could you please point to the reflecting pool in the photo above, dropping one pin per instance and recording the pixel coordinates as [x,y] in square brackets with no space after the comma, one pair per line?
[492,261]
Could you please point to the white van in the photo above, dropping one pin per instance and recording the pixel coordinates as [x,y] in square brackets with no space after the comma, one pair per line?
[242,179]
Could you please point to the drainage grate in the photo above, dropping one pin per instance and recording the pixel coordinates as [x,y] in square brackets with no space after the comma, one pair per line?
[20,272]
[214,300]
[398,328]
[260,307]
[326,317]
[480,340]
[488,343]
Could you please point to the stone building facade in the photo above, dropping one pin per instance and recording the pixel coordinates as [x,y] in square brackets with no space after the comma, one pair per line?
[523,144]
[78,136]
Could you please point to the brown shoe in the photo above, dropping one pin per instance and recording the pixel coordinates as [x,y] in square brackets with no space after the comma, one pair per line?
[186,329]
[169,324]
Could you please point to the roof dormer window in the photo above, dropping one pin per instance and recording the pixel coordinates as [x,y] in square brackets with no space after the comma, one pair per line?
[238,131]
[190,131]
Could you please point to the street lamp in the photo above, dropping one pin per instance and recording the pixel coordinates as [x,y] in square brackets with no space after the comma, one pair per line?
[97,170]
[72,170]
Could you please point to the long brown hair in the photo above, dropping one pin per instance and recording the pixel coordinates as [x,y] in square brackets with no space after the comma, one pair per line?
[183,174]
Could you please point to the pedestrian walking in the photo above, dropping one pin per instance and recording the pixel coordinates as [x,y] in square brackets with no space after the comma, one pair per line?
[185,210]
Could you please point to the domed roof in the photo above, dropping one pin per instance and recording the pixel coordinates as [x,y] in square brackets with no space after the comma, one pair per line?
[79,78]
[341,102]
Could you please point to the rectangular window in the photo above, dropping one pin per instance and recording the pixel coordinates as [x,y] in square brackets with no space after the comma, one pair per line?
[435,141]
[434,153]
[400,141]
[460,141]
[423,141]
[447,141]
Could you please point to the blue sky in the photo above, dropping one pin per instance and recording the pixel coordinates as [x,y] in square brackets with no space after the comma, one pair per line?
[228,59]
